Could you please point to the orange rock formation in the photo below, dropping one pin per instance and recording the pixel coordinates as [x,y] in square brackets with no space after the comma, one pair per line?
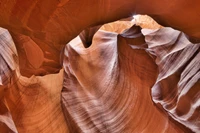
[129,76]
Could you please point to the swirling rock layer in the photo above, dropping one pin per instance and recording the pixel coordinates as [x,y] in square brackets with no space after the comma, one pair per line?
[118,102]
[177,87]
[107,87]
[52,23]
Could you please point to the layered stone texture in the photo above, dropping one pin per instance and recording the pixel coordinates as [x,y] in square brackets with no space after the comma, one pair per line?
[116,77]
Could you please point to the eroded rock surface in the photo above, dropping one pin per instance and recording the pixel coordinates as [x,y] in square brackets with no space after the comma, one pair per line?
[116,79]
[54,23]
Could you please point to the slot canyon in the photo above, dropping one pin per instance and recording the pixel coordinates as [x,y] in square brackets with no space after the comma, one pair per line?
[99,66]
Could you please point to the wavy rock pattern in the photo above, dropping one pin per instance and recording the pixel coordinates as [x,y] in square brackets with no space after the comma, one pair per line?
[52,23]
[8,57]
[177,87]
[118,101]
[8,64]
[27,104]
[34,104]
[108,87]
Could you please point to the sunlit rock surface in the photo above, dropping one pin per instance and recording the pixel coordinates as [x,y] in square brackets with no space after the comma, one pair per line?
[52,23]
[115,78]
[110,90]
[177,87]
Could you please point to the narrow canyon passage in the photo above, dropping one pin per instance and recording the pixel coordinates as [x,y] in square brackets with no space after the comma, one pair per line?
[61,71]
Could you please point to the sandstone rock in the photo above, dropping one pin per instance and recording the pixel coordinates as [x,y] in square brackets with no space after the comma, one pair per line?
[115,79]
